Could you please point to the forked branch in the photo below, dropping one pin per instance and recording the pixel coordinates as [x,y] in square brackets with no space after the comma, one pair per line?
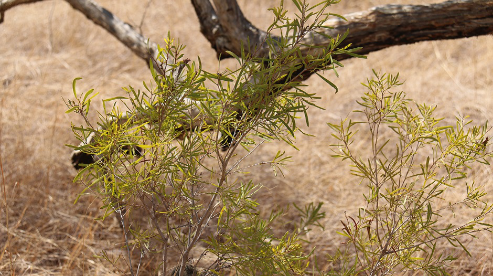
[226,28]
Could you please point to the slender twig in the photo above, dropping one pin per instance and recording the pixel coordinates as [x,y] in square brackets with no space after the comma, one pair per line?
[245,156]
[144,15]
[118,211]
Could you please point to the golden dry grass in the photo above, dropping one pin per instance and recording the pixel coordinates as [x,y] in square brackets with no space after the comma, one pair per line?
[46,45]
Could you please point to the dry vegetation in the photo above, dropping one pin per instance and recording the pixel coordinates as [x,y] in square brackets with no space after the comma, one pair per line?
[46,45]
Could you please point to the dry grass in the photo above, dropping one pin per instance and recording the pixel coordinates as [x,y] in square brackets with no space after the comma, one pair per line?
[46,45]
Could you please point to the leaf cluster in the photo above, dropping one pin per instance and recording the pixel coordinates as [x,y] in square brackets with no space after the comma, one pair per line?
[414,161]
[166,158]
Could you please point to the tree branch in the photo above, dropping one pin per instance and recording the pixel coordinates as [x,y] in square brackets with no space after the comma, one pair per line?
[391,25]
[124,32]
[226,28]
[381,27]
[8,4]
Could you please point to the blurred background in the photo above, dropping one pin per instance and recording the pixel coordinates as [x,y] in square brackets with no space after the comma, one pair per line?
[45,45]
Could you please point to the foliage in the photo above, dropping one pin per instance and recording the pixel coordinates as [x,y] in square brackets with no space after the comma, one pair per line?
[166,161]
[411,166]
[173,153]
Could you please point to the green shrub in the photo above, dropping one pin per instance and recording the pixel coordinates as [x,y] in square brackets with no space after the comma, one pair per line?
[413,162]
[170,155]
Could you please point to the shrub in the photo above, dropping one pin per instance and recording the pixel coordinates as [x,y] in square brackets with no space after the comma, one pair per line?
[413,162]
[169,155]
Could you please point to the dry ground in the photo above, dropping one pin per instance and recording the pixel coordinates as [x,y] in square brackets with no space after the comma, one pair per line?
[44,46]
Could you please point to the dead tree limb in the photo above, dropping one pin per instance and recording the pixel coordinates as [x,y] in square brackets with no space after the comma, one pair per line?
[124,32]
[226,28]
[8,4]
[391,25]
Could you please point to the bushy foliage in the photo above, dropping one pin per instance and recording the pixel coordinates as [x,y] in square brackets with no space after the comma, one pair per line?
[171,153]
[414,160]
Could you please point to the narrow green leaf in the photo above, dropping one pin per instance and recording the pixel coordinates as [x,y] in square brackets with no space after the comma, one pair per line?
[73,86]
[328,82]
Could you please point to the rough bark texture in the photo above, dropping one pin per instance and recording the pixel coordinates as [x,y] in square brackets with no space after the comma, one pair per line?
[391,25]
[225,26]
[100,16]
[381,27]
[124,32]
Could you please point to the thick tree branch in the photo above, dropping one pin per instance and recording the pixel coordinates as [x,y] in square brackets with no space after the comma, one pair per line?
[381,27]
[235,24]
[124,32]
[226,28]
[210,26]
[391,25]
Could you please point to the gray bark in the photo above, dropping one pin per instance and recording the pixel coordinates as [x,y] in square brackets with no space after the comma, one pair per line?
[102,17]
[226,28]
[380,27]
[124,32]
